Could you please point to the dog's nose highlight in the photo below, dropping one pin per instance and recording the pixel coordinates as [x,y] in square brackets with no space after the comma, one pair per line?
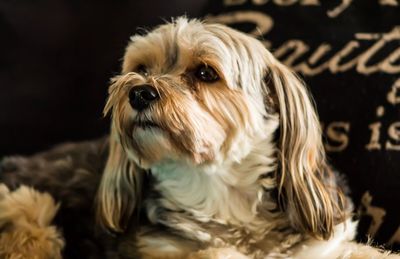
[140,97]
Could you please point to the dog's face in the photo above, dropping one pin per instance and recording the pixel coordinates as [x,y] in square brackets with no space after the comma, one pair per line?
[190,91]
[205,94]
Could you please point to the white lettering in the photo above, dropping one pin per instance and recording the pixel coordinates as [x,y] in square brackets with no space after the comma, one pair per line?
[338,133]
[263,23]
[389,2]
[285,2]
[339,9]
[377,213]
[394,134]
[393,96]
[234,2]
[375,136]
[395,238]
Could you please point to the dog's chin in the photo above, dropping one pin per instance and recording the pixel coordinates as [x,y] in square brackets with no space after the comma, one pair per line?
[152,146]
[150,143]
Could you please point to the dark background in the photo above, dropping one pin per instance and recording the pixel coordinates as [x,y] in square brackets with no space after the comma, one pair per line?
[56,57]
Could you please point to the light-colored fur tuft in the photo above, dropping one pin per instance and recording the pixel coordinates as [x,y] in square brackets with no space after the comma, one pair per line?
[25,218]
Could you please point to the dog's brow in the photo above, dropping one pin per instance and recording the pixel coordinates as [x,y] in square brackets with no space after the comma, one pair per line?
[172,54]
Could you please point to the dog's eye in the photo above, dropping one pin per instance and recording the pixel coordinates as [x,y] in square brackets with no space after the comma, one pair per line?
[142,69]
[206,74]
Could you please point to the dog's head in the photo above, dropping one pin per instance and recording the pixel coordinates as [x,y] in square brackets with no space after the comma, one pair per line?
[202,94]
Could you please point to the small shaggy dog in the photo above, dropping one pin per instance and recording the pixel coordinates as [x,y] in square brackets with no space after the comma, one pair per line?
[215,151]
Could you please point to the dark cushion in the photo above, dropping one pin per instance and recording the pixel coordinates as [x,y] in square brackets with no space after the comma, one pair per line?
[349,55]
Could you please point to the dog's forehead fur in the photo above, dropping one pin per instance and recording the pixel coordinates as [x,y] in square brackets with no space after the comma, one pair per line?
[183,45]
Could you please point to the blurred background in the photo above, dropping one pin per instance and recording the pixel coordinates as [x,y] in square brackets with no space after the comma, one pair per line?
[56,58]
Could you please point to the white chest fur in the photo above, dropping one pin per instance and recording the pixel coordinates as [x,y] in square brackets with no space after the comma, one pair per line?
[228,193]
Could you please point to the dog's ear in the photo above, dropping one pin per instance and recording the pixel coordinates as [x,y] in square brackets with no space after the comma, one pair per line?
[307,187]
[120,188]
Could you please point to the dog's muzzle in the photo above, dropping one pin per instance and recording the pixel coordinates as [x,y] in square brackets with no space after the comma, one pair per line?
[140,97]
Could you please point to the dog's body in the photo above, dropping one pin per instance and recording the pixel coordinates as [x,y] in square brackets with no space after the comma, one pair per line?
[70,173]
[215,151]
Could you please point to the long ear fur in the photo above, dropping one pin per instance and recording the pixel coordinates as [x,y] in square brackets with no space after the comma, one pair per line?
[308,190]
[120,188]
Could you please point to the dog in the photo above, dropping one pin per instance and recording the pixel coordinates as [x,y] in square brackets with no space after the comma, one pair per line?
[215,151]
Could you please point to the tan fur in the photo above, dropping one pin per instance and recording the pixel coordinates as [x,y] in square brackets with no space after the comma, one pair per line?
[359,251]
[25,218]
[302,158]
[218,253]
[158,245]
[119,190]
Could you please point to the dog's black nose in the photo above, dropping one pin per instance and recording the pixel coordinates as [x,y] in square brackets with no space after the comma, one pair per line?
[141,96]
